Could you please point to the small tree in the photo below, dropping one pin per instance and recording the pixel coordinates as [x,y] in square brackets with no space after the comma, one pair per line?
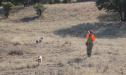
[1,2]
[57,1]
[7,7]
[17,2]
[39,8]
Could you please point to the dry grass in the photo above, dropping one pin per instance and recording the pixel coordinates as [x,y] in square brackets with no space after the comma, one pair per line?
[62,55]
[15,52]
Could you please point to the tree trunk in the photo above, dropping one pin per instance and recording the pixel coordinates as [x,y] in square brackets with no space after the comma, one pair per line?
[123,15]
[122,10]
[7,11]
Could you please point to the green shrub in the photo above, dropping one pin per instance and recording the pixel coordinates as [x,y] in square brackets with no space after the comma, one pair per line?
[39,8]
[113,5]
[64,1]
[7,7]
[57,1]
[17,2]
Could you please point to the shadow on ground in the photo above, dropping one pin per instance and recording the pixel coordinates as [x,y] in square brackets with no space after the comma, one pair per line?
[102,30]
[109,26]
[28,19]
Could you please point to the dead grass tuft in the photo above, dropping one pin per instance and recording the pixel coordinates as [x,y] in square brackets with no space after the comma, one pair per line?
[16,52]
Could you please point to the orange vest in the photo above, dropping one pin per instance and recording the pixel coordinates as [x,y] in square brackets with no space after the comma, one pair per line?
[92,37]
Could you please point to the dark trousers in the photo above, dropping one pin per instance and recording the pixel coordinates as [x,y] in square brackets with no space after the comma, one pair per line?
[89,48]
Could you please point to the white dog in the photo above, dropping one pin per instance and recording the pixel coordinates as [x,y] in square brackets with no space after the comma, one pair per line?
[39,60]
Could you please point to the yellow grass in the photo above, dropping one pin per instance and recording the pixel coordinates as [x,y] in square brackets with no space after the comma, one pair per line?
[62,55]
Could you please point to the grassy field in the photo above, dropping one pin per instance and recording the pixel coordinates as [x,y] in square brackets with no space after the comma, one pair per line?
[63,27]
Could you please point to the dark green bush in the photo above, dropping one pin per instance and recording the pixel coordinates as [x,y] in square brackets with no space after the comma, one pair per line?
[39,8]
[113,5]
[7,7]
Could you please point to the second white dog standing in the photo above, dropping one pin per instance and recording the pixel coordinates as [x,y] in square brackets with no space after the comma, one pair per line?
[39,60]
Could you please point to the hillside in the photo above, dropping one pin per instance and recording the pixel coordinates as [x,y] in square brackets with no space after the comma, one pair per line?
[63,27]
[63,12]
